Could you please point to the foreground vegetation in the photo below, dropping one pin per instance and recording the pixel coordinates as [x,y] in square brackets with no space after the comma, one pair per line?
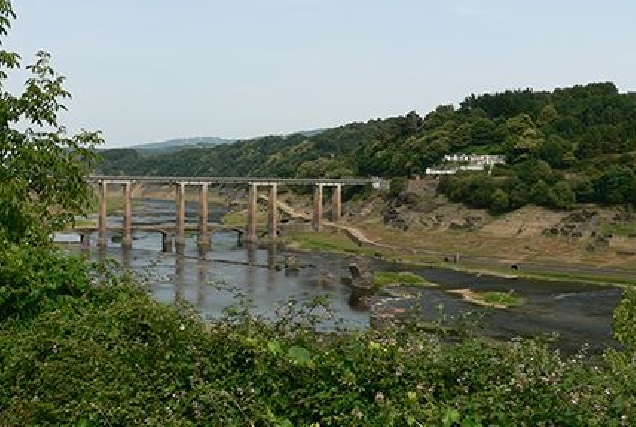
[110,355]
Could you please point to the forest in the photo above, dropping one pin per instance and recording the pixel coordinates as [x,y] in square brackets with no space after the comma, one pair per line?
[570,145]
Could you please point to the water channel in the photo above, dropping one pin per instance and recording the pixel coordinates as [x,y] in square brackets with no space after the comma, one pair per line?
[579,313]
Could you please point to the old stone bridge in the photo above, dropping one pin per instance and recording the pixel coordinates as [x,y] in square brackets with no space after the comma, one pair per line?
[203,228]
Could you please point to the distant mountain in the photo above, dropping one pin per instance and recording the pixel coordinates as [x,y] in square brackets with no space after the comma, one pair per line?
[199,142]
[180,143]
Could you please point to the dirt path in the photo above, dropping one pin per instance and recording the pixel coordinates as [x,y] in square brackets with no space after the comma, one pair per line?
[353,232]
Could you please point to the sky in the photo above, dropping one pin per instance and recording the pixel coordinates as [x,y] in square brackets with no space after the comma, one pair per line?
[151,70]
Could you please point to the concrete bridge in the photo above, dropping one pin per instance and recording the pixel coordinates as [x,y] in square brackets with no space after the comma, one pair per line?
[166,230]
[248,235]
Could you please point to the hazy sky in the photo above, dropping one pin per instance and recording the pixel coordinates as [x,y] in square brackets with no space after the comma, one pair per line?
[150,70]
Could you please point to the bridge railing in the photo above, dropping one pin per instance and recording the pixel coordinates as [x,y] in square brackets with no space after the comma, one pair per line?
[233,180]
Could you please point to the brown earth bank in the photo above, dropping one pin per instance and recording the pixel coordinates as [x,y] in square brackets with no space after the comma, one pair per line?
[586,239]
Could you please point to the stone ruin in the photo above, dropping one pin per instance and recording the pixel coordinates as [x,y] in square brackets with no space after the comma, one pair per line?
[575,225]
[361,282]
[361,273]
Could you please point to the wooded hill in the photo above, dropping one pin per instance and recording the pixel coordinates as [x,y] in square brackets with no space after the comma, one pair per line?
[570,145]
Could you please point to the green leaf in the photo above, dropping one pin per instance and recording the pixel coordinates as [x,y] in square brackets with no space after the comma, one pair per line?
[274,347]
[451,415]
[299,355]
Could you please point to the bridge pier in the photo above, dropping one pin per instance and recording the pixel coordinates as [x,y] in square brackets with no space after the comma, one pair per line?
[132,184]
[317,217]
[166,242]
[336,203]
[272,212]
[180,220]
[252,199]
[126,241]
[102,240]
[85,240]
[203,241]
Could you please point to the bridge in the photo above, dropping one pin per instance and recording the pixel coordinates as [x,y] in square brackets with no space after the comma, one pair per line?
[166,230]
[249,234]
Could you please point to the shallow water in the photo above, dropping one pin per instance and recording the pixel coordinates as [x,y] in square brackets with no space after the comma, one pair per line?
[579,313]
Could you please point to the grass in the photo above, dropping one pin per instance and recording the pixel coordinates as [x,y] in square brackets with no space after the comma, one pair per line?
[542,275]
[507,299]
[240,218]
[114,204]
[491,299]
[386,278]
[328,242]
[84,222]
[622,230]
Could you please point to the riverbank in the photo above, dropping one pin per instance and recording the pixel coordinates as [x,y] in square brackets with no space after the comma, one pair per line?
[342,244]
[405,289]
[363,233]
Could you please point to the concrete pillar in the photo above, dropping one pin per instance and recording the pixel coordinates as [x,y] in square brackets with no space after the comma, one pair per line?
[126,257]
[166,242]
[85,240]
[179,275]
[317,218]
[251,214]
[272,212]
[180,223]
[102,240]
[271,256]
[126,241]
[336,203]
[204,236]
[202,288]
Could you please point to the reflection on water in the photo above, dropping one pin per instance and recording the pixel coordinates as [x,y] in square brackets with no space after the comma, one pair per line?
[579,313]
[211,284]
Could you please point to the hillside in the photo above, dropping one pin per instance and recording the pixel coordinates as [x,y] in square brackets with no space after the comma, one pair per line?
[181,143]
[570,145]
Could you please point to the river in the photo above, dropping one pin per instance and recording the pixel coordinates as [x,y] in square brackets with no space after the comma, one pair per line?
[579,313]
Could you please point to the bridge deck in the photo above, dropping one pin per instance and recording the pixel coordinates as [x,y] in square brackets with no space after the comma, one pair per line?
[161,228]
[194,180]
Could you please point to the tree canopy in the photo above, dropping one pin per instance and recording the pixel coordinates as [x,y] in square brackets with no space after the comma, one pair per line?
[43,185]
[43,167]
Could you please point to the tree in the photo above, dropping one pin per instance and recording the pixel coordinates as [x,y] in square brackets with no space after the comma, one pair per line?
[499,202]
[43,168]
[540,193]
[42,186]
[615,186]
[561,195]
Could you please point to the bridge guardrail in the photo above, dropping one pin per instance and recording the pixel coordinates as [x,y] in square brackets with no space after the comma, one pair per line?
[234,180]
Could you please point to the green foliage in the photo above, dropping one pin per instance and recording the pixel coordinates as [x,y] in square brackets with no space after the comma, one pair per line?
[508,299]
[119,358]
[500,201]
[625,320]
[33,279]
[617,185]
[540,193]
[43,186]
[397,186]
[43,169]
[561,195]
[384,278]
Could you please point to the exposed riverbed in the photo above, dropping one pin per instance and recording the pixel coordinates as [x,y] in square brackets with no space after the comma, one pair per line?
[579,313]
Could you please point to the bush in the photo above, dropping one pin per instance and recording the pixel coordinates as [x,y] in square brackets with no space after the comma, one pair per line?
[120,358]
[37,278]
